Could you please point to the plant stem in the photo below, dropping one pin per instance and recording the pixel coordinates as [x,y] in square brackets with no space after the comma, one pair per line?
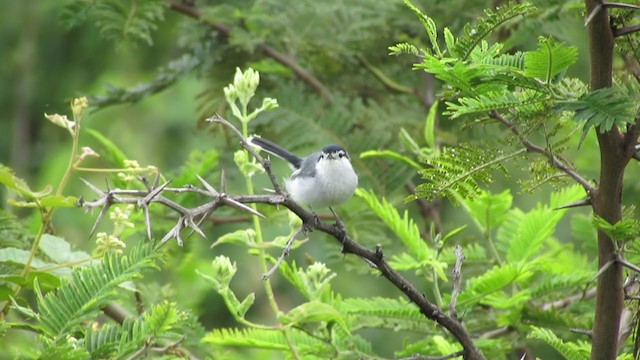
[262,252]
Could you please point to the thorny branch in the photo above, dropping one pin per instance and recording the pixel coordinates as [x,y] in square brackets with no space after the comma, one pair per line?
[189,216]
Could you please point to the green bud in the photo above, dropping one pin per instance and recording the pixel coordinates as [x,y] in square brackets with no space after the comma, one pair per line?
[223,270]
[77,106]
[246,166]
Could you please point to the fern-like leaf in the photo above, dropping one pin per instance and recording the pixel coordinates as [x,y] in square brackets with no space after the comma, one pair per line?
[429,26]
[119,20]
[270,339]
[473,35]
[570,350]
[459,171]
[603,108]
[403,226]
[484,103]
[512,61]
[394,314]
[549,60]
[89,289]
[553,318]
[491,282]
[404,48]
[110,340]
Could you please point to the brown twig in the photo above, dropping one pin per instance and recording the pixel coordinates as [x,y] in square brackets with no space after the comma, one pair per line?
[440,357]
[617,32]
[555,161]
[281,58]
[285,252]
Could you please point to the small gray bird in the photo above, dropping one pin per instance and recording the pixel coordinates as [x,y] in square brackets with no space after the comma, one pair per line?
[322,179]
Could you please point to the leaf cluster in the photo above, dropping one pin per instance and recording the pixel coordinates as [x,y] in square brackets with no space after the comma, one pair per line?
[121,21]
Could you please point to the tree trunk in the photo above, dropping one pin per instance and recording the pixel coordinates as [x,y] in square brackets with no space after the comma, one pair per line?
[607,199]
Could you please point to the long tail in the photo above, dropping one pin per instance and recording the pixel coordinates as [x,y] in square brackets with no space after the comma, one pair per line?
[276,150]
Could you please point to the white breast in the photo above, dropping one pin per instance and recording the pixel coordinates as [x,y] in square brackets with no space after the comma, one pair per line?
[334,183]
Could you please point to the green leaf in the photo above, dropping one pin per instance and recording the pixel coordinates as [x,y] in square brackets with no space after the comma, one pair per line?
[549,60]
[245,305]
[314,282]
[473,34]
[570,351]
[271,339]
[378,312]
[243,236]
[59,249]
[522,235]
[500,100]
[404,48]
[492,281]
[5,292]
[21,257]
[113,153]
[457,172]
[583,229]
[488,210]
[390,155]
[429,26]
[110,341]
[11,181]
[403,226]
[603,108]
[46,280]
[59,201]
[313,312]
[450,40]
[88,290]
[626,229]
[430,126]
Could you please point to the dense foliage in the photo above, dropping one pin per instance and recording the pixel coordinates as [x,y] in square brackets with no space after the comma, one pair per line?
[476,232]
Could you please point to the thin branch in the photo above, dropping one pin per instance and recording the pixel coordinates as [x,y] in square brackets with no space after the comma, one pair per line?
[617,32]
[310,220]
[384,79]
[628,265]
[266,164]
[563,303]
[620,5]
[582,332]
[457,277]
[285,252]
[441,357]
[283,59]
[555,161]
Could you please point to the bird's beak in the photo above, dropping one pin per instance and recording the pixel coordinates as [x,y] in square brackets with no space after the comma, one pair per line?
[332,156]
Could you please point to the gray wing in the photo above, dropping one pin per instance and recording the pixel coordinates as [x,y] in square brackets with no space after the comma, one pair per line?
[307,166]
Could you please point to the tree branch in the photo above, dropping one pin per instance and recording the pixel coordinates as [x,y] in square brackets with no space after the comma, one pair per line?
[281,58]
[373,257]
[617,32]
[555,161]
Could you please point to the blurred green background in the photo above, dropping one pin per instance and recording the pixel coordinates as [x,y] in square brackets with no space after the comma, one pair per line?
[344,44]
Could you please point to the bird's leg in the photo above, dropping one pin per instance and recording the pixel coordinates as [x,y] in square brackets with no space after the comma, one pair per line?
[339,224]
[316,218]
